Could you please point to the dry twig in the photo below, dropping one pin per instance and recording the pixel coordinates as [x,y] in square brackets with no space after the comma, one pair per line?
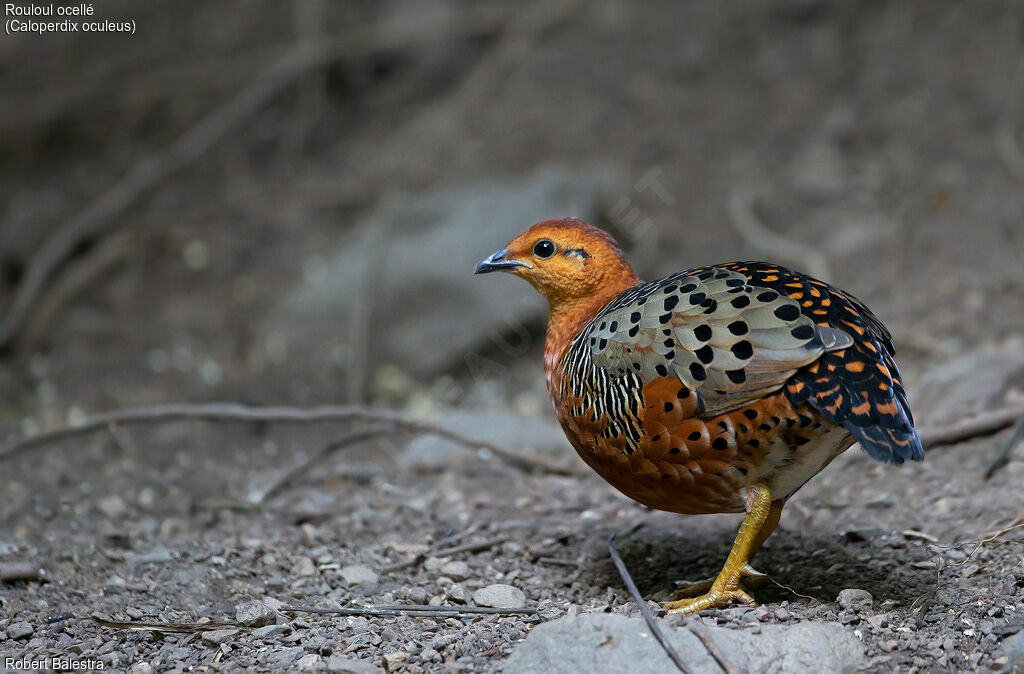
[347,440]
[445,552]
[971,427]
[237,413]
[1003,456]
[181,628]
[712,648]
[418,611]
[652,624]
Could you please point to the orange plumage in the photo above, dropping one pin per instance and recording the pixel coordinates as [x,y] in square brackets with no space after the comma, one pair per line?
[718,389]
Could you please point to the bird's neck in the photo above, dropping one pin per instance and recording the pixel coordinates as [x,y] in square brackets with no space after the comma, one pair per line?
[567,316]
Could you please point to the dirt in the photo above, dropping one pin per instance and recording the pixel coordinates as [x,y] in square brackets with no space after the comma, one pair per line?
[870,128]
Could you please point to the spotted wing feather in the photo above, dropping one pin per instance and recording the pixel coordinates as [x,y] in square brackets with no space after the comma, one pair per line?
[729,341]
[859,386]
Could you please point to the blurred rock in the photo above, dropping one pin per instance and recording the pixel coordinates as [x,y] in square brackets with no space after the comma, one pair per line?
[500,596]
[428,310]
[254,614]
[357,574]
[853,599]
[604,642]
[514,432]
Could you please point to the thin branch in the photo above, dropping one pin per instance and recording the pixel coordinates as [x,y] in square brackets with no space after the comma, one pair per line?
[712,648]
[445,552]
[742,208]
[101,215]
[652,624]
[347,440]
[181,628]
[1003,456]
[237,413]
[985,423]
[417,611]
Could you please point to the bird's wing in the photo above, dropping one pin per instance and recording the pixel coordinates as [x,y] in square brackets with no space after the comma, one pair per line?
[727,340]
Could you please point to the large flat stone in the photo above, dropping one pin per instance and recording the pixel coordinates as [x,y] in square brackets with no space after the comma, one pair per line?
[604,642]
[428,310]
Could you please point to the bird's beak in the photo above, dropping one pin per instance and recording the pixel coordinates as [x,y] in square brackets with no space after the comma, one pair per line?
[497,262]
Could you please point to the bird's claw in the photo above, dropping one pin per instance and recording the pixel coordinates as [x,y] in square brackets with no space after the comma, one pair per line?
[749,576]
[714,598]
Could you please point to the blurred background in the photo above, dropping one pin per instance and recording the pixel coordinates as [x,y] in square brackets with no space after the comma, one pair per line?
[282,203]
[324,176]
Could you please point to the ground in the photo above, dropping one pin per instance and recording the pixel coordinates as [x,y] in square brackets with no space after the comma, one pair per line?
[879,135]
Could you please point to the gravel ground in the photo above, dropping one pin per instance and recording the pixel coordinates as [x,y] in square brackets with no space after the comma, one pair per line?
[876,130]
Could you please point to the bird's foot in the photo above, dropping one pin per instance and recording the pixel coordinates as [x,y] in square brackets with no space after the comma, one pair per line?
[750,577]
[716,597]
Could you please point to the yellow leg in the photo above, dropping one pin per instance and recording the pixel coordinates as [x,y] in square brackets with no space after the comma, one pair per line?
[751,577]
[761,518]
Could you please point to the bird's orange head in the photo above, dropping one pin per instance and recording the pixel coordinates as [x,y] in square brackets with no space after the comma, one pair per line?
[568,261]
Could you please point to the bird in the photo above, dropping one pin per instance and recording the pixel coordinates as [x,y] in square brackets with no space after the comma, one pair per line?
[718,389]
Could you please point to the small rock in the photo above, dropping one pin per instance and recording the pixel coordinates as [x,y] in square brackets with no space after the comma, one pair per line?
[19,630]
[418,595]
[304,567]
[762,613]
[270,631]
[781,614]
[356,574]
[392,661]
[255,614]
[456,570]
[218,637]
[308,661]
[889,646]
[848,618]
[500,596]
[115,584]
[142,667]
[112,506]
[284,658]
[339,664]
[458,594]
[433,564]
[853,599]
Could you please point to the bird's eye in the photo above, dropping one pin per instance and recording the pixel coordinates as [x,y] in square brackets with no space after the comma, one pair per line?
[543,249]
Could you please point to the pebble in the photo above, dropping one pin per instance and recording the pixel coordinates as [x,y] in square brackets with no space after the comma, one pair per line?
[500,596]
[853,598]
[309,661]
[270,631]
[218,637]
[356,574]
[19,630]
[285,657]
[418,595]
[889,646]
[393,661]
[456,570]
[255,614]
[458,594]
[782,614]
[762,613]
[141,668]
[304,567]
